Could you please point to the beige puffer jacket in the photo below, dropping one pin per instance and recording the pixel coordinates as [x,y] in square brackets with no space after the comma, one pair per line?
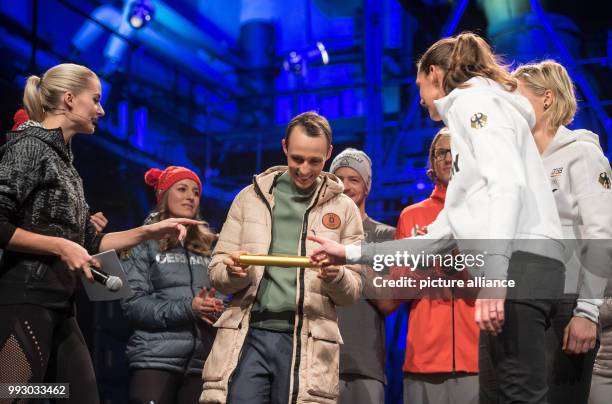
[603,361]
[248,227]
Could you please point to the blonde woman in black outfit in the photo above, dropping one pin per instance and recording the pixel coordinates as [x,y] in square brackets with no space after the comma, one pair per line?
[44,222]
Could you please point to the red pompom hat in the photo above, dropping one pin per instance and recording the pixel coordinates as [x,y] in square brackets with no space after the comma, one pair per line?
[21,116]
[161,181]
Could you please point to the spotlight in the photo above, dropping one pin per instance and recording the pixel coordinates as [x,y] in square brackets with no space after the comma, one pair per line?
[141,13]
[298,61]
[318,54]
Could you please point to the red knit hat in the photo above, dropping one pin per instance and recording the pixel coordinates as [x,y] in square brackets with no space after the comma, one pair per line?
[21,116]
[161,181]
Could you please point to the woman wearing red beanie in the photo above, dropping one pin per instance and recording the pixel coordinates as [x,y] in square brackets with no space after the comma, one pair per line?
[173,307]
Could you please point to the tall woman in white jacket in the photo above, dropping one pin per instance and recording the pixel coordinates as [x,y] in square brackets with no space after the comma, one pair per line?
[498,191]
[578,170]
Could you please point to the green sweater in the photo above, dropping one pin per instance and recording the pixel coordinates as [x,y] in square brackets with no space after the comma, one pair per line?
[275,306]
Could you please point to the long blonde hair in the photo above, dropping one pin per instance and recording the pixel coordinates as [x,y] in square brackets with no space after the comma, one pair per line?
[462,57]
[550,75]
[42,94]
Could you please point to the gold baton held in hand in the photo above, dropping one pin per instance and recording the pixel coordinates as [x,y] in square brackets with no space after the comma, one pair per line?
[285,261]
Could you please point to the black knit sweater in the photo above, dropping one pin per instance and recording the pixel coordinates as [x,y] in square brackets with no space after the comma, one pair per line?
[40,191]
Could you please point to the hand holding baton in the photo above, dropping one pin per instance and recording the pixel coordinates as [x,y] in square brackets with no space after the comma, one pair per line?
[284,261]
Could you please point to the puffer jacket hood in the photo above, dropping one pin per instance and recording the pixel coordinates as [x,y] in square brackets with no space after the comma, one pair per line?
[329,185]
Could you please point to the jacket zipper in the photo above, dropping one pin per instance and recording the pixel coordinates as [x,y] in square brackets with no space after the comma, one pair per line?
[259,192]
[194,330]
[300,307]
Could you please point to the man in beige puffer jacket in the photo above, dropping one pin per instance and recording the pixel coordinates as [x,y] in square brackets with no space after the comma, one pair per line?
[278,342]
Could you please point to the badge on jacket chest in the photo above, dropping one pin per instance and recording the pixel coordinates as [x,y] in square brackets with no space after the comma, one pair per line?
[554,178]
[556,172]
[331,221]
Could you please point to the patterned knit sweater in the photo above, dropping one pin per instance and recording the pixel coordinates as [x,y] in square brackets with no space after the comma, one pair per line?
[41,192]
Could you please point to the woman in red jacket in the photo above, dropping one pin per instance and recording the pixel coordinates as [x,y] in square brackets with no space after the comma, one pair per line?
[441,365]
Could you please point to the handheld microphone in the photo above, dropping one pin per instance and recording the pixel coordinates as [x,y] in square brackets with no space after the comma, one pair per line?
[112,283]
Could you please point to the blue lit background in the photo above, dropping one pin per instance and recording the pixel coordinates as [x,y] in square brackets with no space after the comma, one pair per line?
[210,84]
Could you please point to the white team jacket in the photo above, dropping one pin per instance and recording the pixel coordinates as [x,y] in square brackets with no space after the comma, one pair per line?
[580,178]
[499,189]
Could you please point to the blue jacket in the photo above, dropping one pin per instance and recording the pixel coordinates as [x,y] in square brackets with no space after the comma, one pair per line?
[166,333]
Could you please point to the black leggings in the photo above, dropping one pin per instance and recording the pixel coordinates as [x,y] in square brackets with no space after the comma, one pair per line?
[164,387]
[40,345]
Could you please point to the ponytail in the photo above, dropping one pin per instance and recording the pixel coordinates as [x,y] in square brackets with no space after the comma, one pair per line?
[45,94]
[32,99]
[465,56]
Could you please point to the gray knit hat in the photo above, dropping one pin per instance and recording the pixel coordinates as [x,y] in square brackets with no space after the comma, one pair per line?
[358,161]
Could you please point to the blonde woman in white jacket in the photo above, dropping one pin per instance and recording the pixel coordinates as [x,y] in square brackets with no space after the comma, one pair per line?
[499,191]
[580,180]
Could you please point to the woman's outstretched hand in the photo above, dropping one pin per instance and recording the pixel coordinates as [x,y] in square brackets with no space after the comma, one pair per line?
[328,253]
[173,227]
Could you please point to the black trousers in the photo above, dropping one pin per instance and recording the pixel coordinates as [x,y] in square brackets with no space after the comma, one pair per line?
[512,365]
[164,387]
[569,376]
[40,345]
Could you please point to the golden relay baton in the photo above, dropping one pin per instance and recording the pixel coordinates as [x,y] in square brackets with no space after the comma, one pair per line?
[285,261]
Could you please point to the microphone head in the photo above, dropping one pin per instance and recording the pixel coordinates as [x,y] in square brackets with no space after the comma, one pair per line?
[114,283]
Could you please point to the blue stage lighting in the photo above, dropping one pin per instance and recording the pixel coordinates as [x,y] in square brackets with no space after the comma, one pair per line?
[141,13]
[297,61]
